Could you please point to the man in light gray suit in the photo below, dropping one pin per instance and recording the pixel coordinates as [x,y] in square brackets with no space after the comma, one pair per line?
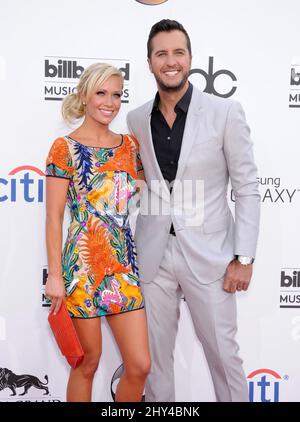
[191,143]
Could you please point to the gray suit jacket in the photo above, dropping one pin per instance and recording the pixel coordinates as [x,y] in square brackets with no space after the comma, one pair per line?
[216,145]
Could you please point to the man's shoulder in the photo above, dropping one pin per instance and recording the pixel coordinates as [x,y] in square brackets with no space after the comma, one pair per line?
[141,110]
[210,100]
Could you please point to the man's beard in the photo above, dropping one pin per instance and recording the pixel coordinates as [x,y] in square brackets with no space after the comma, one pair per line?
[174,88]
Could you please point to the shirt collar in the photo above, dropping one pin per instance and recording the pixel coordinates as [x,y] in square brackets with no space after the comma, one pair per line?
[183,103]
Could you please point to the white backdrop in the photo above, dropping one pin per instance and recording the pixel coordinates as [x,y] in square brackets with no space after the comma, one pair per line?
[256,40]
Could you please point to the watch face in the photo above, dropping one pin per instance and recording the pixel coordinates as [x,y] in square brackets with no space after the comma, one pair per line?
[245,260]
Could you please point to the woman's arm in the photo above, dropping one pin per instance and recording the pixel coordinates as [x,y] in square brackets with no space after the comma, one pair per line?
[56,195]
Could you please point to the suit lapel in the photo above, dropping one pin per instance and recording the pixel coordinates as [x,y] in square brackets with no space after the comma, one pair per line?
[192,126]
[149,156]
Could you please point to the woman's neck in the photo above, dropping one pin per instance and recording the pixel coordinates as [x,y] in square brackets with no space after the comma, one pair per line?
[93,131]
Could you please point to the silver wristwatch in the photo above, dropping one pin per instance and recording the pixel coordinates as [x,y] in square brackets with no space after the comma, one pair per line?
[244,260]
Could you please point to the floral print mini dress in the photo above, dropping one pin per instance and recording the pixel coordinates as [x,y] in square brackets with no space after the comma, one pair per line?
[99,258]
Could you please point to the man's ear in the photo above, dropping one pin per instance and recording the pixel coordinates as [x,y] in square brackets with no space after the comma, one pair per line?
[149,64]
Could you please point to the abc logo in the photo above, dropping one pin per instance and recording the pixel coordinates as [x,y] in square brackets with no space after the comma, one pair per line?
[211,76]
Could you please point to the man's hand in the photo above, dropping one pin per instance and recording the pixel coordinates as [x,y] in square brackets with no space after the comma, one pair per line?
[237,276]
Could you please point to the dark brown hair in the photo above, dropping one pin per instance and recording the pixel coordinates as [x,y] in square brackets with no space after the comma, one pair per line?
[166,25]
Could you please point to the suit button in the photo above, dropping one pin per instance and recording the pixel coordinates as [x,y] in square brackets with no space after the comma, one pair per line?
[172,162]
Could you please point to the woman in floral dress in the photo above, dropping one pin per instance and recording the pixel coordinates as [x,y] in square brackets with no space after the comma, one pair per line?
[96,172]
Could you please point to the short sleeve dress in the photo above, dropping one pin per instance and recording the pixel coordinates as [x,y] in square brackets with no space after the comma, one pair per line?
[99,257]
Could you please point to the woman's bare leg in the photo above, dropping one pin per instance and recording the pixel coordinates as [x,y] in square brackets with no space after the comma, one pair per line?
[131,334]
[81,379]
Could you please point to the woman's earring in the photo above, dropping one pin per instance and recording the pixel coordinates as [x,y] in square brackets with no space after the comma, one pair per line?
[83,103]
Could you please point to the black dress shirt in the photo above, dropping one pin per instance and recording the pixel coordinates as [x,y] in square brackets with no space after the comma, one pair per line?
[167,141]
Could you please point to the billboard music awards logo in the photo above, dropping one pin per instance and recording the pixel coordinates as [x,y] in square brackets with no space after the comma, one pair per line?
[24,183]
[273,192]
[289,288]
[294,96]
[264,385]
[220,82]
[61,75]
[45,301]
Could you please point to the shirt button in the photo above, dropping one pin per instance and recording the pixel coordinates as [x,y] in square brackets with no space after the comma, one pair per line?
[169,137]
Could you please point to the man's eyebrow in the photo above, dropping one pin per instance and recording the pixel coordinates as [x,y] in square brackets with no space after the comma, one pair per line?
[175,49]
[160,51]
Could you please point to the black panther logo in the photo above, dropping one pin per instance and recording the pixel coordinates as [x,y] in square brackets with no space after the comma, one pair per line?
[12,381]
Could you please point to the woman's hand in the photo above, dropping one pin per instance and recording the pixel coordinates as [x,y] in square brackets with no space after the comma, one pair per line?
[55,291]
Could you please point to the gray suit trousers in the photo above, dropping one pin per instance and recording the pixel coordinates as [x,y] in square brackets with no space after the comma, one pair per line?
[213,313]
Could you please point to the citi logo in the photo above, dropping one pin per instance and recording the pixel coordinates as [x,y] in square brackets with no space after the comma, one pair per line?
[264,385]
[211,76]
[23,183]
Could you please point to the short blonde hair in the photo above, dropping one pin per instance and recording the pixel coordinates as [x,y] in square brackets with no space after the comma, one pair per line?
[91,79]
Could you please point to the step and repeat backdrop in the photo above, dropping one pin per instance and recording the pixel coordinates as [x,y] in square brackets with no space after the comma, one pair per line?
[244,50]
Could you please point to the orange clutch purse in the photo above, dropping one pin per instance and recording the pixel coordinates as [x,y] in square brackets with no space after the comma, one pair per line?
[66,336]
